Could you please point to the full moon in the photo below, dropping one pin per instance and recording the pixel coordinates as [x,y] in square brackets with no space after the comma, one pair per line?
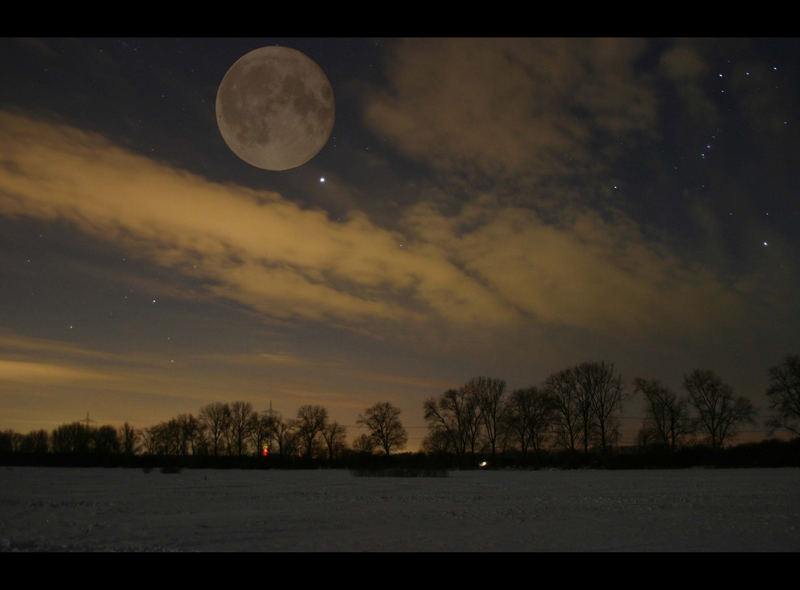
[275,108]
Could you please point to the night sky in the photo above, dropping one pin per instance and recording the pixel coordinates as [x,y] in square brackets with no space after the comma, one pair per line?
[498,207]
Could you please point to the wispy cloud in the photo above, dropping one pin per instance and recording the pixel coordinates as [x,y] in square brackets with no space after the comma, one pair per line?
[486,264]
[515,112]
[38,372]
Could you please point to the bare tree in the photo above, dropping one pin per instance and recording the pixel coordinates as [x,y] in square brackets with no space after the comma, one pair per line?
[216,419]
[383,423]
[37,441]
[105,440]
[365,443]
[719,414]
[561,388]
[187,431]
[241,421]
[442,420]
[310,422]
[667,415]
[7,441]
[600,395]
[529,416]
[487,395]
[456,415]
[263,430]
[784,395]
[164,438]
[285,435]
[151,439]
[334,436]
[437,441]
[128,439]
[71,438]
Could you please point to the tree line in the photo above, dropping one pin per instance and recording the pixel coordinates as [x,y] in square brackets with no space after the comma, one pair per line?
[232,429]
[574,411]
[577,410]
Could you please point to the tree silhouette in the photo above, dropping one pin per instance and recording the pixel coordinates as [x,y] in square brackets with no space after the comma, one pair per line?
[241,421]
[284,434]
[719,414]
[437,441]
[365,443]
[487,395]
[383,423]
[71,438]
[310,422]
[262,430]
[561,388]
[529,416]
[667,414]
[215,418]
[456,415]
[784,395]
[37,442]
[600,389]
[162,438]
[105,440]
[7,441]
[334,435]
[129,442]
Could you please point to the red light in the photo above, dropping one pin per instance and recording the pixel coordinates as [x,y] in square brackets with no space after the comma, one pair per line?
[265,451]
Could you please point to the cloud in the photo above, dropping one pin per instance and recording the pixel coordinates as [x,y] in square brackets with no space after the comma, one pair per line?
[587,271]
[687,68]
[144,382]
[37,372]
[519,111]
[253,247]
[265,359]
[487,264]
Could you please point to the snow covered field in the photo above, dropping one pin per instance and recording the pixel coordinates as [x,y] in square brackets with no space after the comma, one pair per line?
[96,509]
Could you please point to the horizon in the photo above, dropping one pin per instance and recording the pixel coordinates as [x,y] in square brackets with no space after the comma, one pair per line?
[483,207]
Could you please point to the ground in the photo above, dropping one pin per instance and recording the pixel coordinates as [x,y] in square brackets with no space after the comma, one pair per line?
[96,509]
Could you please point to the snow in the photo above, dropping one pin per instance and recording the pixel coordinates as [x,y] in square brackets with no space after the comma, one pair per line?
[117,509]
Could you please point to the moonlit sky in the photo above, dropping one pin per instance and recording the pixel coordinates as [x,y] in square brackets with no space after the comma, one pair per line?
[498,207]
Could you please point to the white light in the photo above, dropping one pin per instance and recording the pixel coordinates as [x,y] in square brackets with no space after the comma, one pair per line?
[322,179]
